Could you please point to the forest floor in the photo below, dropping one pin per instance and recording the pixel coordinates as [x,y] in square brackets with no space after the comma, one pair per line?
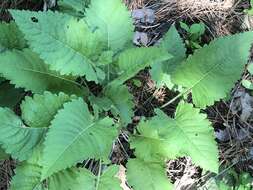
[233,130]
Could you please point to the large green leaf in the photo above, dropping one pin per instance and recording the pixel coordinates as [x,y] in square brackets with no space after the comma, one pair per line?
[148,176]
[17,139]
[10,37]
[174,45]
[67,41]
[122,101]
[3,155]
[113,21]
[210,73]
[40,110]
[84,179]
[26,70]
[134,60]
[188,134]
[27,174]
[75,135]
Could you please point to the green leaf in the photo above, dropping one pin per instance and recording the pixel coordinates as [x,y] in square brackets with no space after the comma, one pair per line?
[27,174]
[188,134]
[77,5]
[174,45]
[148,176]
[68,41]
[123,102]
[26,70]
[11,37]
[105,181]
[17,139]
[250,68]
[134,60]
[247,84]
[211,72]
[73,129]
[3,155]
[40,110]
[9,95]
[113,21]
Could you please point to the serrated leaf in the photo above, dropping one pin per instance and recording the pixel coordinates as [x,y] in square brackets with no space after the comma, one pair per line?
[134,60]
[173,44]
[68,41]
[211,72]
[38,111]
[122,100]
[11,37]
[9,95]
[188,134]
[113,21]
[73,129]
[27,174]
[77,179]
[26,70]
[17,139]
[148,176]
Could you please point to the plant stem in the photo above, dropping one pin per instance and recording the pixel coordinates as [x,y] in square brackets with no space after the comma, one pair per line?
[99,174]
[175,98]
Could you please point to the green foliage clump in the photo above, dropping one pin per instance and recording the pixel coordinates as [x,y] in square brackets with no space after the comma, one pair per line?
[50,57]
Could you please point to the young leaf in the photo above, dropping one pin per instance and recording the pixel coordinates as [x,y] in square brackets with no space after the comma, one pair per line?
[40,110]
[11,37]
[211,72]
[113,21]
[188,134]
[123,102]
[134,60]
[75,135]
[174,45]
[67,41]
[148,176]
[26,70]
[17,139]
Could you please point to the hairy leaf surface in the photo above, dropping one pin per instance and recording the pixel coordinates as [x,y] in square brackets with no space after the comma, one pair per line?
[26,70]
[67,41]
[148,176]
[17,139]
[211,71]
[113,22]
[188,134]
[75,135]
[40,110]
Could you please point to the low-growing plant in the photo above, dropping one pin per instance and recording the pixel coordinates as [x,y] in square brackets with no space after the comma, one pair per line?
[54,57]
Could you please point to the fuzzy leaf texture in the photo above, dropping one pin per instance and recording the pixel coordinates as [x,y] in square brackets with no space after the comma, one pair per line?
[211,72]
[134,60]
[11,37]
[174,45]
[40,110]
[75,135]
[66,39]
[148,176]
[17,139]
[83,179]
[188,134]
[26,70]
[113,22]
